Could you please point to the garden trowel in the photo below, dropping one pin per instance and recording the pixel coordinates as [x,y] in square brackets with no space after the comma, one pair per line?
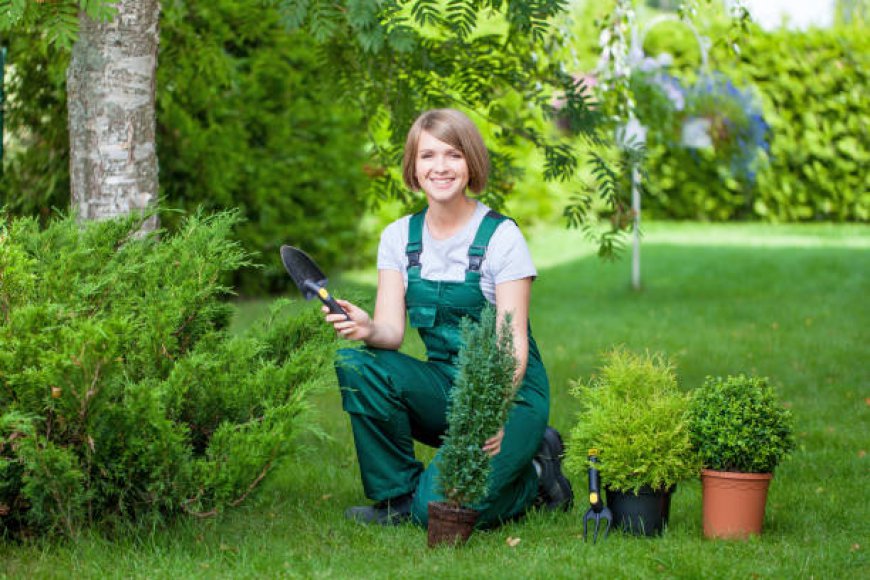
[308,278]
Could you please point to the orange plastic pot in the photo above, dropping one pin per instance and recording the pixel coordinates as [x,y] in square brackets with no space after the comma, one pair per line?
[733,503]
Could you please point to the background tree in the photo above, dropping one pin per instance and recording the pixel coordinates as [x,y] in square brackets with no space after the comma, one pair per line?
[389,59]
[111,92]
[247,118]
[395,58]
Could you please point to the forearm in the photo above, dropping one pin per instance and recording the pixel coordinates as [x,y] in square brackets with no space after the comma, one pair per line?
[387,327]
[521,352]
[513,298]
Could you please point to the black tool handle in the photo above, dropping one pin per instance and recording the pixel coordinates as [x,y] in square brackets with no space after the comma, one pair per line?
[326,298]
[594,482]
[333,306]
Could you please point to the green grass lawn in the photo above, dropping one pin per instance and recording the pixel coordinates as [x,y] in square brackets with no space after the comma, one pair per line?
[790,303]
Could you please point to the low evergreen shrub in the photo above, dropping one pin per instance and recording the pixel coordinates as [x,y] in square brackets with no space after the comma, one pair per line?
[480,400]
[122,394]
[633,413]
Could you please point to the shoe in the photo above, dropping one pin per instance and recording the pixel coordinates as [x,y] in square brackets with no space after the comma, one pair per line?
[554,489]
[389,512]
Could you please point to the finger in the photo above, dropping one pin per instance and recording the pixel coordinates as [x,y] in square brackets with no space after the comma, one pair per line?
[493,452]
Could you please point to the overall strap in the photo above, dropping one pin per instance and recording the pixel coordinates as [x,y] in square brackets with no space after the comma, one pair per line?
[415,242]
[477,250]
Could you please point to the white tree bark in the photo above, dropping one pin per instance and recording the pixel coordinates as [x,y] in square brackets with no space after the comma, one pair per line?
[111,84]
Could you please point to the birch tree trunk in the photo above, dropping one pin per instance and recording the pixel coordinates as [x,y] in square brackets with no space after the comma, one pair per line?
[111,84]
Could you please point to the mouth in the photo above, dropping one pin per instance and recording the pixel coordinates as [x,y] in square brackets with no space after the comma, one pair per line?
[442,181]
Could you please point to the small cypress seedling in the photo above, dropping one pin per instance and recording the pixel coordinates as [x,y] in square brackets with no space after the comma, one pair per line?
[480,400]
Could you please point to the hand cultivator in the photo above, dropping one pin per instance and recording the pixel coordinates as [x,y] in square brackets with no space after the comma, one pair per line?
[598,511]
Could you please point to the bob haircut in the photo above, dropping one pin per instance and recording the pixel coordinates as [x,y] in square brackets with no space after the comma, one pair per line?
[457,130]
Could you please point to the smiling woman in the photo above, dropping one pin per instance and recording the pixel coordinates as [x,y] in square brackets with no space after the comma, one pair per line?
[442,266]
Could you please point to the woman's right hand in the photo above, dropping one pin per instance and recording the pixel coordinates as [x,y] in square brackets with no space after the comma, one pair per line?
[356,326]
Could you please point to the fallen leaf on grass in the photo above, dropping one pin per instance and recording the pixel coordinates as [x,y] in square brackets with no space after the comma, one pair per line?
[228,548]
[862,454]
[856,547]
[325,496]
[512,542]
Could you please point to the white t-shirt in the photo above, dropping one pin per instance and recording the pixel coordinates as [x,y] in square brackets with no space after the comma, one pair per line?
[507,255]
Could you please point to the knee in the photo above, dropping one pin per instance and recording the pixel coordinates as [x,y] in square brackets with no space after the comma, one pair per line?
[365,390]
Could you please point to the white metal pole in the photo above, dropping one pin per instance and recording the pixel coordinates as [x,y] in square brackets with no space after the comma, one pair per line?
[635,208]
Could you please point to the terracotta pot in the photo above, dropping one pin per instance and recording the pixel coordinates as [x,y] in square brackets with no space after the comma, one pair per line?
[449,524]
[642,514]
[733,503]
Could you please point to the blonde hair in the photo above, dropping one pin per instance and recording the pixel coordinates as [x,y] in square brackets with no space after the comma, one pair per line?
[457,130]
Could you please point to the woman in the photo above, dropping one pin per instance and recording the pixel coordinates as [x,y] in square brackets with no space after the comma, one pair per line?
[442,264]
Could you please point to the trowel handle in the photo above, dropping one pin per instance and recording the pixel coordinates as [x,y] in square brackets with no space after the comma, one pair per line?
[330,302]
[326,298]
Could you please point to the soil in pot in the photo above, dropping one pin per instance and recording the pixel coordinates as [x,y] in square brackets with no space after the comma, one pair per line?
[733,503]
[449,524]
[643,514]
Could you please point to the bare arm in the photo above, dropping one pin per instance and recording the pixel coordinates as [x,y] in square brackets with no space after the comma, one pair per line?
[514,297]
[387,329]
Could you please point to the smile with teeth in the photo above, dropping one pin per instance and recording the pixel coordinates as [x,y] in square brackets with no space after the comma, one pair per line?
[442,181]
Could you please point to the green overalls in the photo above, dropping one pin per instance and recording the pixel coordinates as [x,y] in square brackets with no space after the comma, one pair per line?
[393,398]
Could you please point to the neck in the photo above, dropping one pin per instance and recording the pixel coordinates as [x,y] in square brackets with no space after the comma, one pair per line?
[446,218]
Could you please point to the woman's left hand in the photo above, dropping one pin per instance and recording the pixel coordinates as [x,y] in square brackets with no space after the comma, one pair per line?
[493,444]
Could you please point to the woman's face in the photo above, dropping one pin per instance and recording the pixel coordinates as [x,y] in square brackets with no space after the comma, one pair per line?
[440,169]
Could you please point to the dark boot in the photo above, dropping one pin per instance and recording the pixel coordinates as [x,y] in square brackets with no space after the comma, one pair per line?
[554,489]
[389,512]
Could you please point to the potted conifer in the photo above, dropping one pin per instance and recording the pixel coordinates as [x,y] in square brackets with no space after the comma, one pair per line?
[633,413]
[741,432]
[480,399]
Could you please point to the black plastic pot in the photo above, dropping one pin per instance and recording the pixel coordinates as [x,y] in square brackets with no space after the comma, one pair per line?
[642,514]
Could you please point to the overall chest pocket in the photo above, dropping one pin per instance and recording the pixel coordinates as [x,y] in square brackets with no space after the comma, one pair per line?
[422,316]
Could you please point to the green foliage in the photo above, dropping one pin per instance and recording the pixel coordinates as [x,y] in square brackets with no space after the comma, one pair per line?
[58,19]
[811,86]
[479,403]
[122,393]
[492,58]
[35,178]
[633,413]
[737,424]
[246,118]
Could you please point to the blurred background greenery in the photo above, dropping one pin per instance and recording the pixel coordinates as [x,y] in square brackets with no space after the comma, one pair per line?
[248,117]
